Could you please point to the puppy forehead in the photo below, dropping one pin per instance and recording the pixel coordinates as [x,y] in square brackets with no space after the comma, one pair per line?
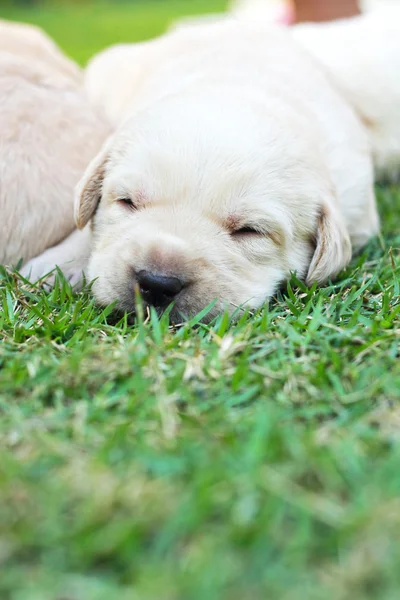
[176,160]
[222,186]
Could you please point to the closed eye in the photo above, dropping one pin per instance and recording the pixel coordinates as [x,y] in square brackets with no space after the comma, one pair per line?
[127,202]
[261,231]
[246,231]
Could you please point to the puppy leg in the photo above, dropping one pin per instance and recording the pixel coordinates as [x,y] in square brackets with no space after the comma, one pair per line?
[71,256]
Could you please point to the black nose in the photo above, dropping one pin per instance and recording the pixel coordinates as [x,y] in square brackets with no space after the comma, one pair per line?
[158,290]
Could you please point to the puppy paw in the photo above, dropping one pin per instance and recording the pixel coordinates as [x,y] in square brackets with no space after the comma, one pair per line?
[43,269]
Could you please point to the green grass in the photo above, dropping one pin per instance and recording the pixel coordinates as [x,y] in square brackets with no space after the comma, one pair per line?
[89,27]
[251,461]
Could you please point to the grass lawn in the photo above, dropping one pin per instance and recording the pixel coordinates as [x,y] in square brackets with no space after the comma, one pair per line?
[255,461]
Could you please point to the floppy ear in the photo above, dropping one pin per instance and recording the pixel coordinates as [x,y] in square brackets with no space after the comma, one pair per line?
[332,246]
[89,190]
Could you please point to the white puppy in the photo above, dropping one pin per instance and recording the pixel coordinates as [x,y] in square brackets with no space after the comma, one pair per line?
[363,58]
[49,133]
[236,161]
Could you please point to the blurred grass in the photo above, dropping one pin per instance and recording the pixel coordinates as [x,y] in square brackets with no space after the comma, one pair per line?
[82,30]
[227,462]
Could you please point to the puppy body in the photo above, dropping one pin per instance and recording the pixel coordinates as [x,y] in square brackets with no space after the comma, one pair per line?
[241,163]
[362,57]
[365,66]
[30,43]
[49,133]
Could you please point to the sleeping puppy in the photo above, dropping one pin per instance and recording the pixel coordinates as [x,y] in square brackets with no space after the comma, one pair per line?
[49,133]
[237,160]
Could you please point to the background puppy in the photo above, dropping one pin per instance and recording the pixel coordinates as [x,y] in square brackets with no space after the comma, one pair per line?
[30,43]
[365,66]
[49,133]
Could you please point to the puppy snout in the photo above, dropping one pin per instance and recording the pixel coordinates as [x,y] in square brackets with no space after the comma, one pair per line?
[158,290]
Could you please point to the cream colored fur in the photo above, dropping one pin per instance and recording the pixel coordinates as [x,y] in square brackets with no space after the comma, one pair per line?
[362,56]
[30,43]
[48,134]
[222,126]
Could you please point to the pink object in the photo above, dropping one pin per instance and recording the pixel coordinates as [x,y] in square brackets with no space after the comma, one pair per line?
[286,15]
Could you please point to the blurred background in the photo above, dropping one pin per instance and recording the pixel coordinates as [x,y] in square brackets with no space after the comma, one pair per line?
[83,27]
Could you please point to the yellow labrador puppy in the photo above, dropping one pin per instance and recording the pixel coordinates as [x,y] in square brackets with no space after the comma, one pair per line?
[49,133]
[365,67]
[238,158]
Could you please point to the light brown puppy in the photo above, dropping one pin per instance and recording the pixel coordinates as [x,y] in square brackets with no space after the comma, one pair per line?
[48,134]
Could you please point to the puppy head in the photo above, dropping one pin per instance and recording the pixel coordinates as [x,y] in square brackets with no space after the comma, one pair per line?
[188,211]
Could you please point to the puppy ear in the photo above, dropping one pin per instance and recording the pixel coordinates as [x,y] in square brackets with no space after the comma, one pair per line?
[332,246]
[89,190]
